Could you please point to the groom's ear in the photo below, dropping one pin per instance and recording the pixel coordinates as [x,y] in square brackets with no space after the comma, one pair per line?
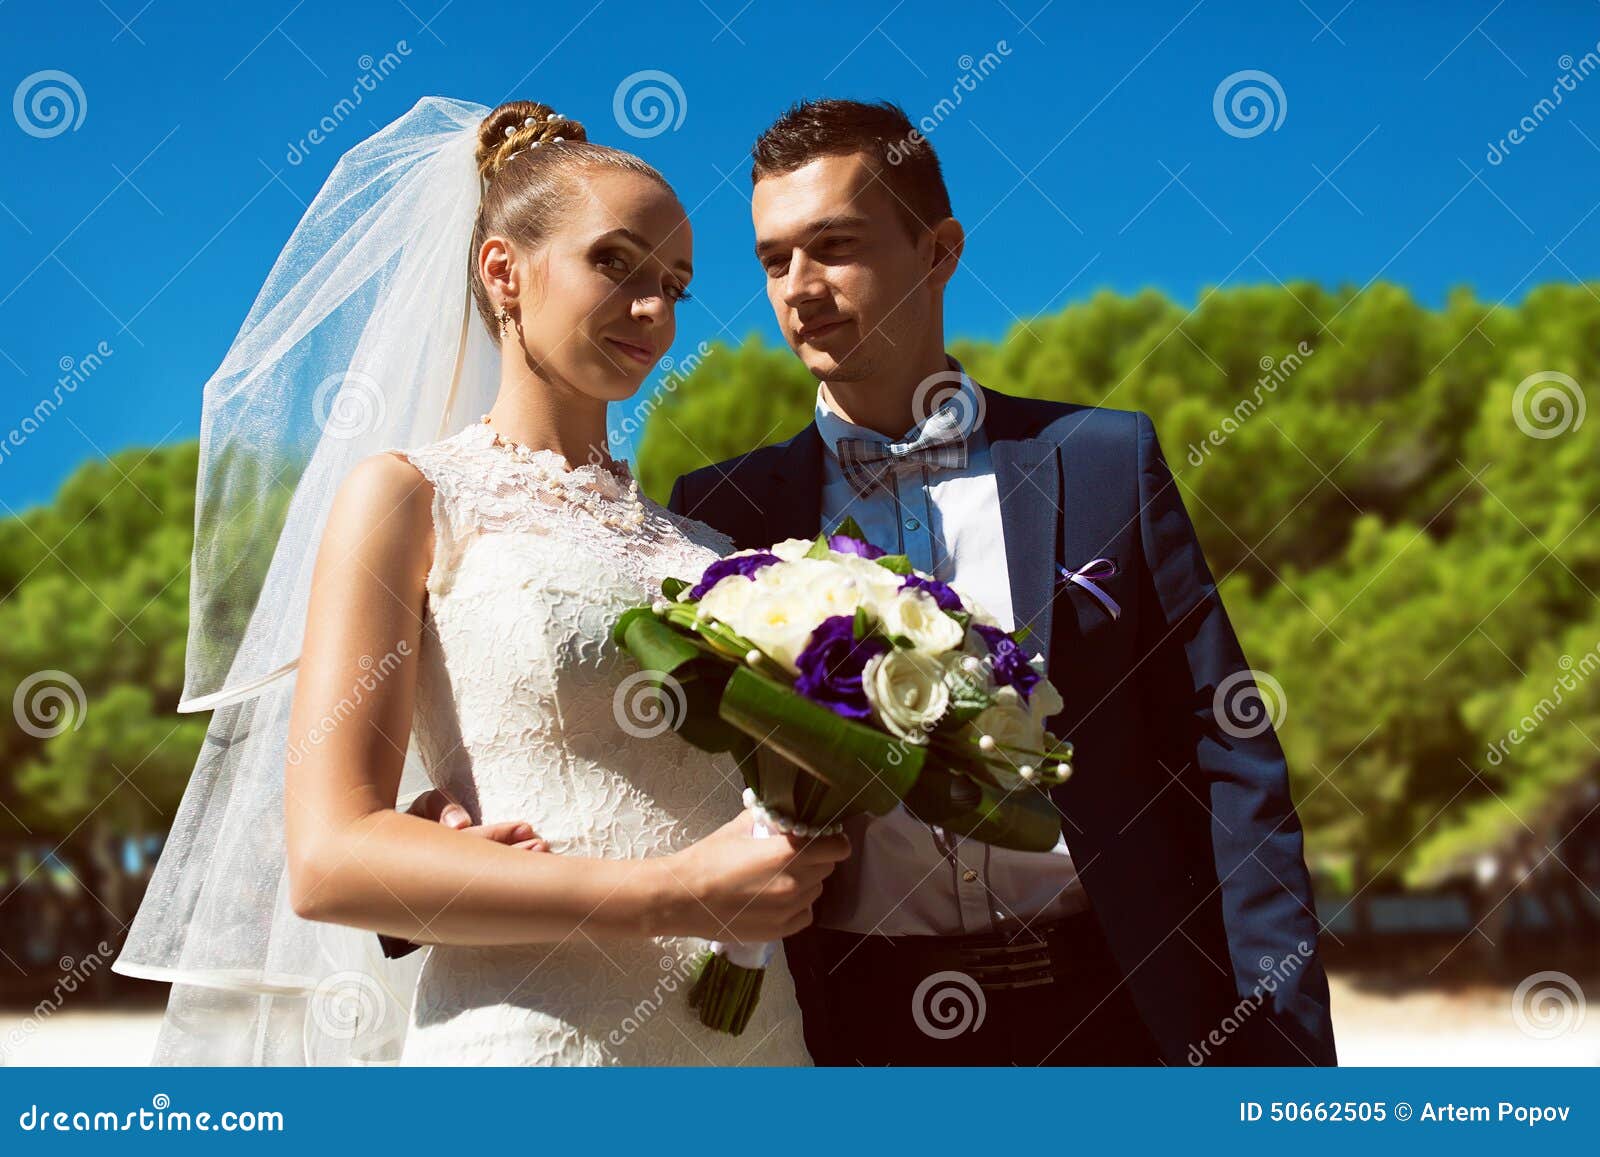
[949,238]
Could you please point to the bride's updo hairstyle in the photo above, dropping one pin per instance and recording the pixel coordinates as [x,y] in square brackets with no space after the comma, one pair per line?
[532,160]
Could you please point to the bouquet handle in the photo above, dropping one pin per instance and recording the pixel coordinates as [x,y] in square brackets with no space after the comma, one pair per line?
[727,986]
[749,955]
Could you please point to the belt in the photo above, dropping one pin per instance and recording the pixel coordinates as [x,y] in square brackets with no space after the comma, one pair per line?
[1026,957]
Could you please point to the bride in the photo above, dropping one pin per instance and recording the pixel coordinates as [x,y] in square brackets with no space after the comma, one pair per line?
[454,546]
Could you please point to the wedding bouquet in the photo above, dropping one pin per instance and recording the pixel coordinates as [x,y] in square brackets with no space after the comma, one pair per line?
[876,683]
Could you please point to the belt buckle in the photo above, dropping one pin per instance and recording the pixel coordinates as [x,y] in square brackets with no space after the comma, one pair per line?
[1005,966]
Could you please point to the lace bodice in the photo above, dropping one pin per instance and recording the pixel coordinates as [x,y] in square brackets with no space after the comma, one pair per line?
[525,711]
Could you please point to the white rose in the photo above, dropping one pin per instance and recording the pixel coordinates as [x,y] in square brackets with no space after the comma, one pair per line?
[974,608]
[1044,701]
[907,692]
[1010,724]
[773,622]
[880,582]
[791,549]
[967,673]
[734,580]
[837,585]
[836,594]
[727,600]
[914,614]
[799,572]
[814,588]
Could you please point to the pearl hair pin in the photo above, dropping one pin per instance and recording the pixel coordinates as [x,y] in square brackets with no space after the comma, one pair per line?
[529,122]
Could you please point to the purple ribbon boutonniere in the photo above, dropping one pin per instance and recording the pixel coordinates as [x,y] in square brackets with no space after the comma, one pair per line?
[1086,576]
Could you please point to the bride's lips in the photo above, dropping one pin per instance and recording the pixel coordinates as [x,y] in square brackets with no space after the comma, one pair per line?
[641,354]
[817,329]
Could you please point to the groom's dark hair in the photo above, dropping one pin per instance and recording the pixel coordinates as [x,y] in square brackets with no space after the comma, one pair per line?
[901,156]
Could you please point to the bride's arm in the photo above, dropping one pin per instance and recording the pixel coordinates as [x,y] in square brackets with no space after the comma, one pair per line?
[354,860]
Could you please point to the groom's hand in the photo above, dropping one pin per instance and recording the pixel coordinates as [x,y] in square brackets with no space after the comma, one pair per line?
[433,804]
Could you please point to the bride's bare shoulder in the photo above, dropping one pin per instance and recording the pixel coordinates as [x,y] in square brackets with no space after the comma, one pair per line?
[383,512]
[388,482]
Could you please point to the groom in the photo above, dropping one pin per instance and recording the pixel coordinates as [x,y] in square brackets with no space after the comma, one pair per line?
[1173,923]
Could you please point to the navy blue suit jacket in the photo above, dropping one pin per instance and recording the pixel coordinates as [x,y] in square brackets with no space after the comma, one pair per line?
[1185,837]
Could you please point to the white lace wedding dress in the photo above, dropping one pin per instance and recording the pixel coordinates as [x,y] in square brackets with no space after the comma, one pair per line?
[518,717]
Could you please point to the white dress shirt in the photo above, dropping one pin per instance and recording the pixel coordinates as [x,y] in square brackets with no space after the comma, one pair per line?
[905,877]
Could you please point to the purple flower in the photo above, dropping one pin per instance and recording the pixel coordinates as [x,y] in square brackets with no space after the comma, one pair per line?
[947,599]
[844,544]
[745,564]
[831,666]
[1011,666]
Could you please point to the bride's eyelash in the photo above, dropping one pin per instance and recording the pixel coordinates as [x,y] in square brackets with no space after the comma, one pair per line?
[679,293]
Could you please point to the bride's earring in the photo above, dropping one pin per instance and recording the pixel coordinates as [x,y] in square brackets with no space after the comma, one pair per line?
[504,319]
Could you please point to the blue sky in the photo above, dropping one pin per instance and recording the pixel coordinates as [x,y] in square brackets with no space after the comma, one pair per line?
[1089,156]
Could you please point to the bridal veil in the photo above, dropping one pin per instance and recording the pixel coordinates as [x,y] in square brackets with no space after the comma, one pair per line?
[359,341]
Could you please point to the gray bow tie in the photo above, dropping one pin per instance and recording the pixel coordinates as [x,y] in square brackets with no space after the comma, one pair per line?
[941,444]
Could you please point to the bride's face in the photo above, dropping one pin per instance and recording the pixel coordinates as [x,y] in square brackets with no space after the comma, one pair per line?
[603,289]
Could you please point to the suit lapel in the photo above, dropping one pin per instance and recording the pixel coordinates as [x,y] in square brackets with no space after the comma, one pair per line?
[1027,474]
[793,501]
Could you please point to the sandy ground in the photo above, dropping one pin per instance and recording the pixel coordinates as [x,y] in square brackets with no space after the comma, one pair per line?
[1469,1026]
[99,1037]
[1473,1025]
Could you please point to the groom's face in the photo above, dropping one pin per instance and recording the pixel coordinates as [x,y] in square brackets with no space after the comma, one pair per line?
[847,281]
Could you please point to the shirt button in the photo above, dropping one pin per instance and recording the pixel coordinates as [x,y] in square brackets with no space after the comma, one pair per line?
[912,524]
[969,875]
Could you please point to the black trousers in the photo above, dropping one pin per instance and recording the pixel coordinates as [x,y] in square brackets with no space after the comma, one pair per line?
[1049,996]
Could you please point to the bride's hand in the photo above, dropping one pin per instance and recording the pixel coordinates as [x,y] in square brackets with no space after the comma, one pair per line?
[732,886]
[433,804]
